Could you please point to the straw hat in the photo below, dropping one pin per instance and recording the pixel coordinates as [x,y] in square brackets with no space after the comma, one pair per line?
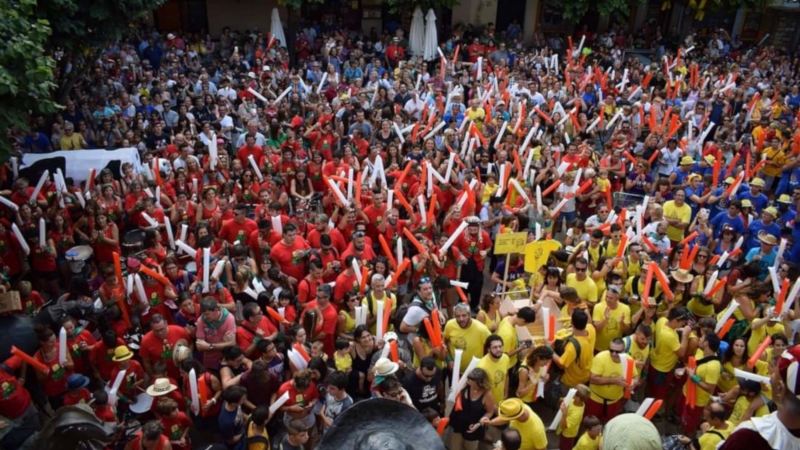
[122,353]
[511,409]
[687,160]
[757,182]
[682,276]
[746,203]
[771,211]
[162,386]
[385,367]
[710,159]
[784,198]
[768,239]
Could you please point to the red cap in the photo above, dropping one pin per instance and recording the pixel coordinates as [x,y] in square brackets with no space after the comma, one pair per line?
[788,366]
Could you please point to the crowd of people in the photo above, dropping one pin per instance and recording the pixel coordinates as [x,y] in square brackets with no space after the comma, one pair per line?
[315,234]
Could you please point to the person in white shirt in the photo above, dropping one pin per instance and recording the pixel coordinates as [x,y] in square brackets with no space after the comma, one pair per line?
[669,158]
[252,128]
[414,106]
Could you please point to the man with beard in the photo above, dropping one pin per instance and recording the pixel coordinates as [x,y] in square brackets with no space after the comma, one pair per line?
[421,307]
[321,226]
[359,249]
[466,334]
[290,254]
[496,364]
[392,226]
[474,246]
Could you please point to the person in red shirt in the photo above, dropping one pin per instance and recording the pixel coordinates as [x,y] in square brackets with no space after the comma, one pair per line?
[76,390]
[346,282]
[159,343]
[395,52]
[23,192]
[322,226]
[329,256]
[80,343]
[43,263]
[261,240]
[475,50]
[573,157]
[376,213]
[358,247]
[290,254]
[323,307]
[307,287]
[324,139]
[54,380]
[474,246]
[15,401]
[101,354]
[157,296]
[254,328]
[303,395]
[239,228]
[134,201]
[11,252]
[249,149]
[101,408]
[134,374]
[176,424]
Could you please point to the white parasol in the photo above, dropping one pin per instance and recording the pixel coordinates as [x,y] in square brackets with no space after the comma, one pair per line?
[276,27]
[416,39]
[431,37]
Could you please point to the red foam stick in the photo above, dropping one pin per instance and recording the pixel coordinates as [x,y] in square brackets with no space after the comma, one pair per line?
[662,278]
[364,276]
[691,387]
[552,188]
[629,375]
[725,328]
[33,362]
[760,351]
[150,272]
[442,425]
[782,297]
[387,251]
[358,189]
[653,409]
[649,244]
[275,315]
[584,186]
[623,242]
[689,238]
[393,351]
[717,286]
[461,294]
[398,273]
[437,328]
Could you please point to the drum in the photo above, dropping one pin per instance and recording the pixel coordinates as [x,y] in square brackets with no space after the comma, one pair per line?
[77,257]
[143,403]
[133,242]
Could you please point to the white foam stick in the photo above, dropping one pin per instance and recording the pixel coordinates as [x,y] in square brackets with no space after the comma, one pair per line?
[62,346]
[407,129]
[480,67]
[277,224]
[42,233]
[539,198]
[722,259]
[610,123]
[577,178]
[253,164]
[359,318]
[296,359]
[423,212]
[170,236]
[112,393]
[218,269]
[456,367]
[563,168]
[186,249]
[206,268]
[15,167]
[257,95]
[194,393]
[705,132]
[740,241]
[567,139]
[538,231]
[464,124]
[60,178]
[146,191]
[580,46]
[546,321]
[213,151]
[559,415]
[501,177]
[452,238]
[646,404]
[519,189]
[500,134]
[528,161]
[258,285]
[153,223]
[726,315]
[773,274]
[390,198]
[129,287]
[461,284]
[554,63]
[449,170]
[140,292]
[20,238]
[322,81]
[593,125]
[249,291]
[379,323]
[540,384]
[711,281]
[636,91]
[273,408]
[337,191]
[435,130]
[350,184]
[792,296]
[398,132]
[9,203]
[430,171]
[399,250]
[462,379]
[357,270]
[779,256]
[283,94]
[738,373]
[39,186]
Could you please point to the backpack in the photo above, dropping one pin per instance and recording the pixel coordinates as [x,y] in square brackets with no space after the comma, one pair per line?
[245,441]
[402,310]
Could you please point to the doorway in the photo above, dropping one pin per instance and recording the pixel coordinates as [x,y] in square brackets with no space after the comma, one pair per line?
[507,11]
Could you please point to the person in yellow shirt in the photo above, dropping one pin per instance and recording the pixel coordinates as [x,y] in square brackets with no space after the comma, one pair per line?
[776,163]
[377,292]
[520,417]
[476,113]
[576,361]
[72,140]
[590,440]
[495,364]
[508,331]
[607,382]
[716,430]
[678,215]
[669,347]
[571,417]
[634,290]
[637,346]
[615,239]
[257,437]
[611,319]
[489,188]
[582,283]
[532,371]
[705,378]
[744,409]
[465,333]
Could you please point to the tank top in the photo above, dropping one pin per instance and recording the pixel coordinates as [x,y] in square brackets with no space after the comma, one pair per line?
[489,321]
[471,413]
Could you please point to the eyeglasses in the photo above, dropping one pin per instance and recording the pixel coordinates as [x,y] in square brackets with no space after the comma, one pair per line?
[702,256]
[580,269]
[615,352]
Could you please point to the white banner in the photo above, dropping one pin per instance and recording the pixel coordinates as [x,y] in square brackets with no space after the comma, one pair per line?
[78,163]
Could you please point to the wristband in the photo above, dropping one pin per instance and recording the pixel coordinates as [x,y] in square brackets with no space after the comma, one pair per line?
[696,379]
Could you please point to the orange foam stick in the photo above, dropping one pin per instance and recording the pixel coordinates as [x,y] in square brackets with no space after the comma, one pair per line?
[647,79]
[621,218]
[364,277]
[339,179]
[544,116]
[782,297]
[758,167]
[725,328]
[689,238]
[121,301]
[575,122]
[732,165]
[458,405]
[630,158]
[442,68]
[429,329]
[653,409]
[714,260]
[649,244]
[673,128]
[584,187]
[160,278]
[629,375]
[90,181]
[691,257]
[747,164]
[461,294]
[662,278]
[358,189]
[517,163]
[414,132]
[652,122]
[387,251]
[623,242]
[455,54]
[398,273]
[442,424]
[398,194]
[423,179]
[301,349]
[431,208]
[717,286]
[437,328]
[33,362]
[478,133]
[717,169]
[664,127]
[648,281]
[552,328]
[609,201]
[653,157]
[393,351]
[275,315]
[410,236]
[156,172]
[691,388]
[387,312]
[760,351]
[404,174]
[735,184]
[552,188]
[117,266]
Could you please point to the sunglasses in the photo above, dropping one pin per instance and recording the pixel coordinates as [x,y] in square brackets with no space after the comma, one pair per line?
[615,352]
[580,270]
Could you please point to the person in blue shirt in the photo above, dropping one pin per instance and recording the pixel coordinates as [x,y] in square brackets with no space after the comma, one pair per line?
[694,193]
[718,202]
[764,254]
[731,218]
[759,200]
[786,214]
[680,178]
[36,142]
[761,227]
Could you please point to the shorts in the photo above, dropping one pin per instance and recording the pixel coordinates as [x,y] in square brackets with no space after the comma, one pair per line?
[604,412]
[658,383]
[570,216]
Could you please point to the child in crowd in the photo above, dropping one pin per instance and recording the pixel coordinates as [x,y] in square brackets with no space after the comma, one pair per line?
[30,299]
[571,416]
[175,422]
[590,440]
[102,409]
[342,357]
[76,390]
[296,436]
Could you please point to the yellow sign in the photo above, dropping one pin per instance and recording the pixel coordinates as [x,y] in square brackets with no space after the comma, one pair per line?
[506,243]
[537,253]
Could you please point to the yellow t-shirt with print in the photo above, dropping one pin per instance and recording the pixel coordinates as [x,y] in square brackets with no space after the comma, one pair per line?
[470,340]
[682,213]
[574,419]
[374,308]
[497,372]
[709,373]
[510,340]
[740,407]
[637,353]
[757,335]
[577,372]
[710,441]
[628,291]
[663,357]
[613,329]
[611,249]
[587,443]
[531,432]
[604,366]
[587,289]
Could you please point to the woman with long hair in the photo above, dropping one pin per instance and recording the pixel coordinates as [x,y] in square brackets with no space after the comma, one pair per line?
[346,322]
[210,388]
[489,313]
[531,373]
[54,381]
[477,402]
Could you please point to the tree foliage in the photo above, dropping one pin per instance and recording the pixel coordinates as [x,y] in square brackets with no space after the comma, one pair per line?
[575,10]
[26,72]
[398,6]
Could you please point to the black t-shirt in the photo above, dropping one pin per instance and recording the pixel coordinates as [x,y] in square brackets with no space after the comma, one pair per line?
[423,394]
[155,141]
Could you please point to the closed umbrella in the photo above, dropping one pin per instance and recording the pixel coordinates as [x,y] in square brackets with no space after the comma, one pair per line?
[276,27]
[431,37]
[416,39]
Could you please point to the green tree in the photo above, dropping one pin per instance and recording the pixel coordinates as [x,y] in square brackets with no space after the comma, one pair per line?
[398,6]
[26,72]
[81,28]
[293,8]
[575,10]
